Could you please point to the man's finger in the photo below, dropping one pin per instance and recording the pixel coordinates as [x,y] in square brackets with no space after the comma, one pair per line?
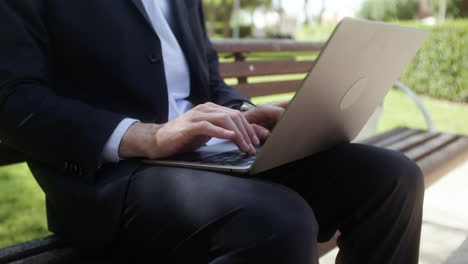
[250,131]
[282,104]
[208,129]
[243,126]
[261,132]
[222,119]
[264,114]
[275,113]
[246,129]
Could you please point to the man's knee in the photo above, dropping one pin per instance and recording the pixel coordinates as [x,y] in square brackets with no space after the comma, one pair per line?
[286,212]
[380,173]
[394,174]
[277,222]
[403,173]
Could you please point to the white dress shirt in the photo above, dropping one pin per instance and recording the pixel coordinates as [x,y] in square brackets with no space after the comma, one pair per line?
[176,71]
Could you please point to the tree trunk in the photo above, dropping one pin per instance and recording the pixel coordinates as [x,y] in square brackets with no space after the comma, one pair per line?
[226,18]
[322,12]
[306,12]
[442,10]
[423,11]
[464,9]
[210,12]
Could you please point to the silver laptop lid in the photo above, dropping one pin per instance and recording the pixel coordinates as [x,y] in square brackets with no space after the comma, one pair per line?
[353,73]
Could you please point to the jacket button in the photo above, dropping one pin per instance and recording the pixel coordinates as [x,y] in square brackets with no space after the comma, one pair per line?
[153,58]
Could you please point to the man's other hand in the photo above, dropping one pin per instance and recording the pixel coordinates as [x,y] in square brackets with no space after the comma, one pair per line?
[264,117]
[193,129]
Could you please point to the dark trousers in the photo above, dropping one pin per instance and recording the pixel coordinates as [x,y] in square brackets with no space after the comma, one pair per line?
[371,195]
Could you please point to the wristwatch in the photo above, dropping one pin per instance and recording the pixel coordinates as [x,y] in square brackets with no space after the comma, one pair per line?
[245,106]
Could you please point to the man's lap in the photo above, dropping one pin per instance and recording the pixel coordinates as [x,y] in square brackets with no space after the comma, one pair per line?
[179,210]
[334,184]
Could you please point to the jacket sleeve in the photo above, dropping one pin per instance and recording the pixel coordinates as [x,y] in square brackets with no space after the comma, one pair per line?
[63,133]
[223,93]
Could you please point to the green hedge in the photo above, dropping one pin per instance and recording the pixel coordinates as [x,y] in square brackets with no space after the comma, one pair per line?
[388,10]
[440,69]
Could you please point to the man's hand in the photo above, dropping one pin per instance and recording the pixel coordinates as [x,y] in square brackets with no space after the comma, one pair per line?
[264,117]
[190,131]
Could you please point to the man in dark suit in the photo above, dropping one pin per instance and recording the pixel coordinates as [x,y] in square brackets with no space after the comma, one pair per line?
[88,87]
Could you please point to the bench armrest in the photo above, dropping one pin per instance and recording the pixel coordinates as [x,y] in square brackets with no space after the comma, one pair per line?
[418,102]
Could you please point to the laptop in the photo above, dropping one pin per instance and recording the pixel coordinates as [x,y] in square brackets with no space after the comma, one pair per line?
[355,70]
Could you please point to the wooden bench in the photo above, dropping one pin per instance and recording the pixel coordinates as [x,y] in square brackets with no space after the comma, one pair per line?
[435,152]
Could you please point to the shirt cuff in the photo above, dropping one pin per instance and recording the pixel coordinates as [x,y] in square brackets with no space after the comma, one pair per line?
[110,153]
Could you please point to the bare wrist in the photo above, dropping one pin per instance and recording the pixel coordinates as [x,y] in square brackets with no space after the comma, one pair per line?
[139,141]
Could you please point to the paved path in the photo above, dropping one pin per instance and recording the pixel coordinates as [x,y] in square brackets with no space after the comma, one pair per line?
[445,223]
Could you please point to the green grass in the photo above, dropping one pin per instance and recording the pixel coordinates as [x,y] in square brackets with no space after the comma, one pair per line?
[399,110]
[22,215]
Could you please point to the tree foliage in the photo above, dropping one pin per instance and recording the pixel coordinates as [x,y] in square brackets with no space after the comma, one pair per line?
[454,8]
[221,11]
[440,69]
[386,10]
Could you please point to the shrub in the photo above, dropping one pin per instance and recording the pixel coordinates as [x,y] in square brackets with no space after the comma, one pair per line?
[245,31]
[387,10]
[440,69]
[453,8]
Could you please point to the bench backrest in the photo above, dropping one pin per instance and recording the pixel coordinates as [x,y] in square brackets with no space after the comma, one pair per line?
[253,58]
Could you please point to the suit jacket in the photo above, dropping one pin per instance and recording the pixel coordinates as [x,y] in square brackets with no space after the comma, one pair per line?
[70,71]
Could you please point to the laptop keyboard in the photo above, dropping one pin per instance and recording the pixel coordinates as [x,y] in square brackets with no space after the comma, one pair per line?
[229,158]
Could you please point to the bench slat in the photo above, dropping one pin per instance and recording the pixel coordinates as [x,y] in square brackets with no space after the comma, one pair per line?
[373,140]
[258,45]
[265,88]
[430,146]
[262,68]
[396,138]
[29,248]
[55,256]
[443,160]
[71,256]
[413,141]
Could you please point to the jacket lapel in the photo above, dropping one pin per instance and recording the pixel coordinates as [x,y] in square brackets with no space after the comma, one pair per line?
[139,5]
[184,36]
[180,19]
